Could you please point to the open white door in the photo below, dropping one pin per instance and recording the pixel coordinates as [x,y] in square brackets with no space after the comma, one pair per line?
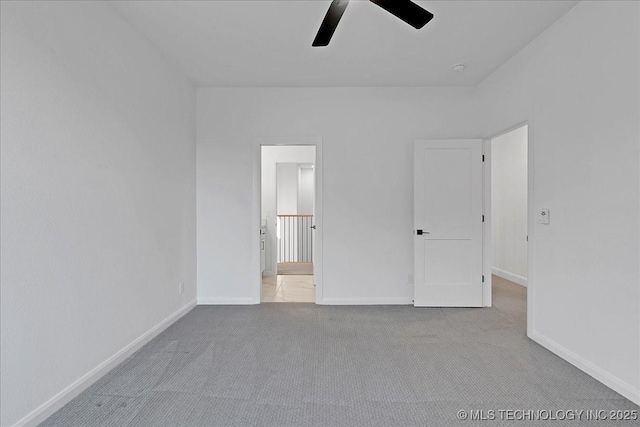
[448,223]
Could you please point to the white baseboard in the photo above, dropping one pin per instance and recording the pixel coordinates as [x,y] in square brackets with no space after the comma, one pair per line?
[520,280]
[226,301]
[367,301]
[611,381]
[65,396]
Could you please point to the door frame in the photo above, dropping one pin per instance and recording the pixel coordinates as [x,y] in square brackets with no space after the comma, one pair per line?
[488,243]
[256,209]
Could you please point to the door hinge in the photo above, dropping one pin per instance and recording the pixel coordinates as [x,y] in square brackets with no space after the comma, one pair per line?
[483,157]
[483,278]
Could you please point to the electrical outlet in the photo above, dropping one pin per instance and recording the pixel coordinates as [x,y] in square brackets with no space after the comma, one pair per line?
[181,288]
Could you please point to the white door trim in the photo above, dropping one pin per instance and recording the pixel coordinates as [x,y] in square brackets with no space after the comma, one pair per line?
[256,210]
[487,295]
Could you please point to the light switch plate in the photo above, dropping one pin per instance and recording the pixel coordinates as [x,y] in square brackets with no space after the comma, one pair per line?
[543,216]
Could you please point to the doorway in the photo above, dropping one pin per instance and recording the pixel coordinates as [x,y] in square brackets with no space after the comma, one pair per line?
[288,223]
[509,252]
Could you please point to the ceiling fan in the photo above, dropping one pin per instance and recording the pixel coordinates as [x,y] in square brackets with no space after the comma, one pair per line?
[406,10]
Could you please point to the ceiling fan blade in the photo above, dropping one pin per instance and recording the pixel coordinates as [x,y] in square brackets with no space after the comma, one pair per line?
[406,10]
[330,22]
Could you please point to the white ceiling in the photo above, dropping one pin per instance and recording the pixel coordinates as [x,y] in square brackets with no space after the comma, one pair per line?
[268,43]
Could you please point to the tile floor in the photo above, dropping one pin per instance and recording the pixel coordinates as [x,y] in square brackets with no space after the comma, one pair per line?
[288,288]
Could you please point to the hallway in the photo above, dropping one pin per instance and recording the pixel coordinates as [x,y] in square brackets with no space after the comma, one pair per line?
[288,288]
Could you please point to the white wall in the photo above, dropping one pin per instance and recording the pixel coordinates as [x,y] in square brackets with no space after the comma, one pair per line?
[306,189]
[509,205]
[98,195]
[287,188]
[367,211]
[578,86]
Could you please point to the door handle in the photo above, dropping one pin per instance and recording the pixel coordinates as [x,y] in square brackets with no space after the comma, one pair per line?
[421,232]
[313,226]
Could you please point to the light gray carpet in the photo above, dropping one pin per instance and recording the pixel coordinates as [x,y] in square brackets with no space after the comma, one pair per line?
[307,365]
[295,268]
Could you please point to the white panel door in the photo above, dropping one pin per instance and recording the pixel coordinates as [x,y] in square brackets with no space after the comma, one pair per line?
[448,223]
